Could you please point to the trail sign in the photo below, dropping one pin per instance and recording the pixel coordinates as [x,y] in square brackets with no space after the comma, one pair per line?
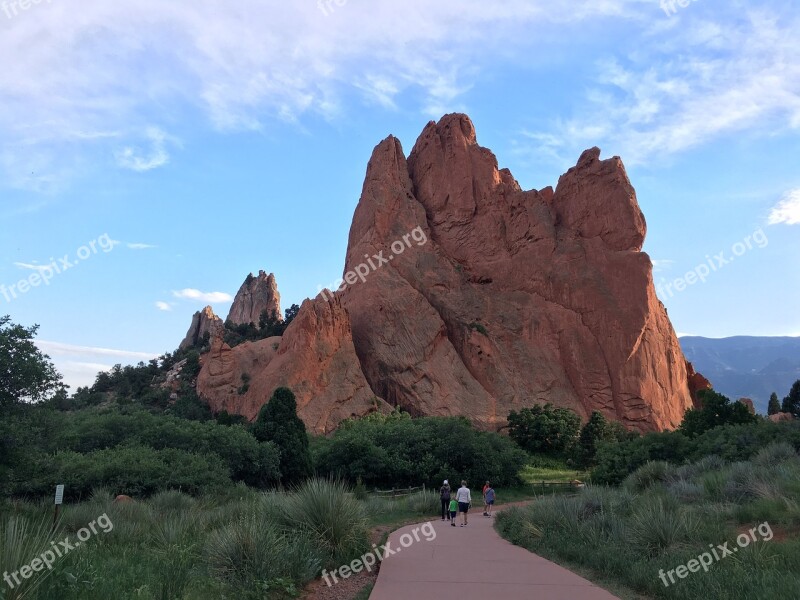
[59,494]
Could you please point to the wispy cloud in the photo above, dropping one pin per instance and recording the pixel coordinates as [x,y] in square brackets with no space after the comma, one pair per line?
[33,266]
[716,74]
[165,306]
[209,297]
[132,157]
[140,246]
[662,264]
[58,348]
[787,210]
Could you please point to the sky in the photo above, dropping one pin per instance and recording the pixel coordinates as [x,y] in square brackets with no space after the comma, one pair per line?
[155,153]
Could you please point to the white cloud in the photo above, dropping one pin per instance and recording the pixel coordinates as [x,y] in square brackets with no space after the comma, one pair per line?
[787,210]
[662,264]
[685,86]
[140,246]
[209,297]
[165,306]
[118,67]
[33,267]
[131,157]
[58,348]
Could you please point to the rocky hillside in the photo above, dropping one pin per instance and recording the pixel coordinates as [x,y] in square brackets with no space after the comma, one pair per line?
[464,294]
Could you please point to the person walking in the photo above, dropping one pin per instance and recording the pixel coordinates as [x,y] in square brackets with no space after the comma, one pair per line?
[444,497]
[453,512]
[464,498]
[489,499]
[485,506]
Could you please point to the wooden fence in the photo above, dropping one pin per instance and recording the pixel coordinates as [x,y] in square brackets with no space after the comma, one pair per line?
[397,492]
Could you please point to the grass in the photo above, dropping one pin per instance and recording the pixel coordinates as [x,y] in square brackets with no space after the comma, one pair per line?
[663,517]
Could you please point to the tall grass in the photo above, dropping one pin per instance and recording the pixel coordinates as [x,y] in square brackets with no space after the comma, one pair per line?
[22,540]
[663,516]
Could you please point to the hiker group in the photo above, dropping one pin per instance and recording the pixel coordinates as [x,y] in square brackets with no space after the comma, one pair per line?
[461,502]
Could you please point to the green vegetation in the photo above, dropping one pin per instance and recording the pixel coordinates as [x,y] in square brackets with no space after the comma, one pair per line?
[278,423]
[26,375]
[268,326]
[615,461]
[774,404]
[395,450]
[716,411]
[663,516]
[791,403]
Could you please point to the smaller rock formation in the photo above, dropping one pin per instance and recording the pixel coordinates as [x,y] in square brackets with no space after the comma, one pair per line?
[781,416]
[749,404]
[697,383]
[257,294]
[203,322]
[315,358]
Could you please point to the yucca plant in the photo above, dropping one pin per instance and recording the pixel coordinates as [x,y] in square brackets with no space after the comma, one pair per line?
[21,541]
[658,524]
[330,515]
[253,550]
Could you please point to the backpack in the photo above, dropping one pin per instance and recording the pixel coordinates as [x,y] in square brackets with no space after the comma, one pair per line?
[444,492]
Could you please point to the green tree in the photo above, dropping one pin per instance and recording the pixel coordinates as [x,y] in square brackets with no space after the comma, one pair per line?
[791,403]
[278,422]
[26,374]
[717,410]
[544,429]
[774,404]
[596,430]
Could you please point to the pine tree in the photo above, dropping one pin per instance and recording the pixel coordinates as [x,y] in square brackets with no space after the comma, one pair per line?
[791,404]
[774,404]
[278,422]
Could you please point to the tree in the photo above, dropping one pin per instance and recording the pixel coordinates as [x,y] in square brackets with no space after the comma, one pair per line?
[26,374]
[291,313]
[774,404]
[278,422]
[596,430]
[791,403]
[544,429]
[717,410]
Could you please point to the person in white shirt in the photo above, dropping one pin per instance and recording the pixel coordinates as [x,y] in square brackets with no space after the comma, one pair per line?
[464,499]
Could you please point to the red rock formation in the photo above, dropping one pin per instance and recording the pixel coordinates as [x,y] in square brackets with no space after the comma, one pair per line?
[781,416]
[477,298]
[749,404]
[697,383]
[257,294]
[315,358]
[555,279]
[203,322]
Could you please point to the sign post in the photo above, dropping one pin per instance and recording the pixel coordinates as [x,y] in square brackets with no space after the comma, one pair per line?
[59,501]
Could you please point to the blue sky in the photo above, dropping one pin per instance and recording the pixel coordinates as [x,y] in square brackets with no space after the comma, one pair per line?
[210,140]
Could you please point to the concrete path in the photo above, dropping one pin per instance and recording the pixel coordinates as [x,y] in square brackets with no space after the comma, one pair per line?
[473,562]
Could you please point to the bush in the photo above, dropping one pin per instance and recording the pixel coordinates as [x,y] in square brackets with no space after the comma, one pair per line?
[130,470]
[398,452]
[330,515]
[545,430]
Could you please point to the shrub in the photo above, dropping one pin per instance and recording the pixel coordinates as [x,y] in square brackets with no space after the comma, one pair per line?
[396,452]
[649,474]
[329,514]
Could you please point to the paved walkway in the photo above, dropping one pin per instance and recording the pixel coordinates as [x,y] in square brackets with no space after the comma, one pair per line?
[473,562]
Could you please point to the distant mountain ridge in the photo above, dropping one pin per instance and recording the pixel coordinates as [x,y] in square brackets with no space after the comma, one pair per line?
[746,366]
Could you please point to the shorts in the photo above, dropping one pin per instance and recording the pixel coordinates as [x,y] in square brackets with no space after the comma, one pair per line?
[463,507]
[489,502]
[453,514]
